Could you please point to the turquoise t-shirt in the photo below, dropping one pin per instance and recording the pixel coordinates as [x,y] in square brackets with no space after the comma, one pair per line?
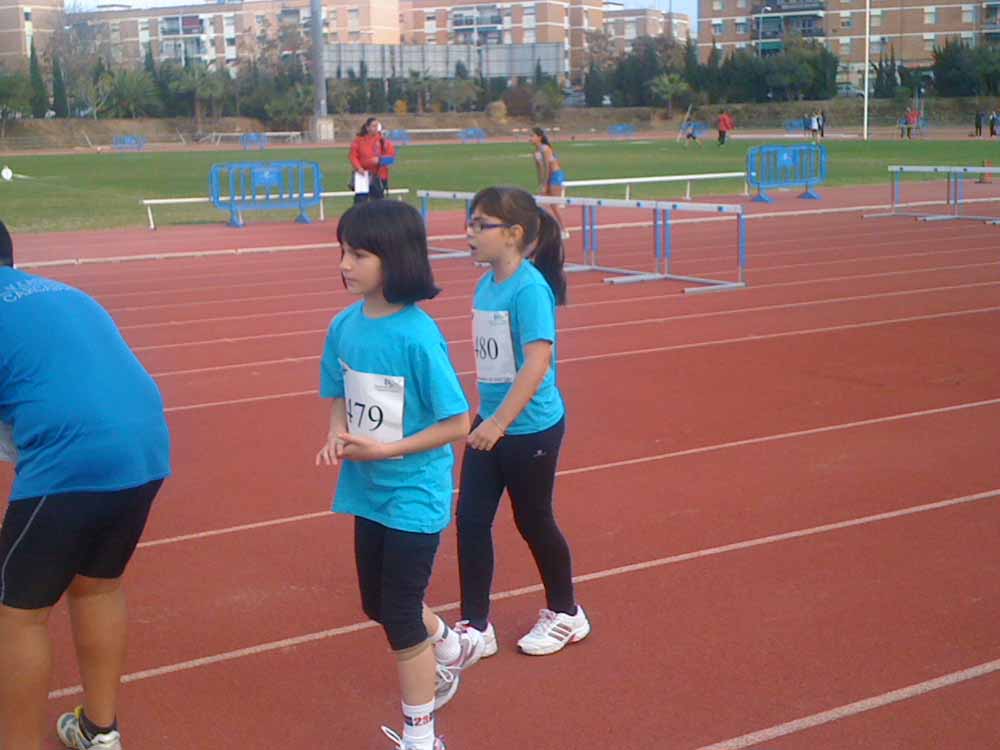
[397,379]
[520,310]
[86,416]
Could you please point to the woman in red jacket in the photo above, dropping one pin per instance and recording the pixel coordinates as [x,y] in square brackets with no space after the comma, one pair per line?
[371,155]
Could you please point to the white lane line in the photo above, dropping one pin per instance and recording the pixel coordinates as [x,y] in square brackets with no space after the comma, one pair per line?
[759,440]
[617,324]
[753,338]
[509,594]
[852,709]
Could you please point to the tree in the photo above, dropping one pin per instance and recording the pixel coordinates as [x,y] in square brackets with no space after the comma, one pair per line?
[15,97]
[547,100]
[461,72]
[595,86]
[132,94]
[955,72]
[666,87]
[289,109]
[600,49]
[39,94]
[200,85]
[60,102]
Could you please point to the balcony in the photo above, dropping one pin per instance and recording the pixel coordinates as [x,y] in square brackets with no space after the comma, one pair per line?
[790,6]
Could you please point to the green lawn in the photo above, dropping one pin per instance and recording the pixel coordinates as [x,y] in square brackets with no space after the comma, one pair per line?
[89,191]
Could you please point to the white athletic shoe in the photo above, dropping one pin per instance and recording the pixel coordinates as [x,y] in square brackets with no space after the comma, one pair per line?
[438,742]
[472,645]
[553,631]
[71,733]
[445,687]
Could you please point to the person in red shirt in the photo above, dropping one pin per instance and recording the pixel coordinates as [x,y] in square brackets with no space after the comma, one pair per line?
[725,125]
[912,121]
[371,154]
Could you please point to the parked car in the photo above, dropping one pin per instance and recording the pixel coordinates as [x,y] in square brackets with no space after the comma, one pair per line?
[848,89]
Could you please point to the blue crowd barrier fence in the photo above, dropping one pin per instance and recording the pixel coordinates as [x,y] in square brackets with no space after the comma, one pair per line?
[251,141]
[776,167]
[129,143]
[237,187]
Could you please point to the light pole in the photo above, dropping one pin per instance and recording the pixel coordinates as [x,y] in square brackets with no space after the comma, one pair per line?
[318,67]
[868,41]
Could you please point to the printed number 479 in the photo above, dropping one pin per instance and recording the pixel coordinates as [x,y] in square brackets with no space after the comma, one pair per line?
[366,416]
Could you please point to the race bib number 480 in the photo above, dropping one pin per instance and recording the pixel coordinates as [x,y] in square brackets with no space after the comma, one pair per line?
[494,347]
[374,404]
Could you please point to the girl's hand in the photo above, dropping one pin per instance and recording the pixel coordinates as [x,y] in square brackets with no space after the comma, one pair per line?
[331,452]
[485,436]
[357,448]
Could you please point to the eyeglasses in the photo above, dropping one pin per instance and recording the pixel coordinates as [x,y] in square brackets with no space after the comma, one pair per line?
[478,225]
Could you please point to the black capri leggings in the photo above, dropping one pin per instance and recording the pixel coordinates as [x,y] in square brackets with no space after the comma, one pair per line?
[526,466]
[394,568]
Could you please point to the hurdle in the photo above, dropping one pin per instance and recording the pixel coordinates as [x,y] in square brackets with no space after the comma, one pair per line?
[129,143]
[772,167]
[954,192]
[621,130]
[266,186]
[662,237]
[472,135]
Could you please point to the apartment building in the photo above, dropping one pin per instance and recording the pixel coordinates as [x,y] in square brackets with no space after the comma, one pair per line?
[23,22]
[220,33]
[565,22]
[909,28]
[624,25]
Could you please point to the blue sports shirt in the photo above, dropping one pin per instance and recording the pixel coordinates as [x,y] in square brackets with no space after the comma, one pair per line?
[86,416]
[529,306]
[397,379]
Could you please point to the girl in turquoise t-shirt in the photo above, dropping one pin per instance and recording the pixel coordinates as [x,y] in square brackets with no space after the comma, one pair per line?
[397,406]
[515,440]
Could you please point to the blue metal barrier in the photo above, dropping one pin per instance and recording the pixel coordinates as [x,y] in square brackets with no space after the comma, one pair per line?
[266,186]
[250,141]
[129,143]
[472,135]
[399,137]
[770,167]
[622,130]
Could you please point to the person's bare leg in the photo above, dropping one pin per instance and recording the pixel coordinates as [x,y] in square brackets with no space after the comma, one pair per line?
[98,613]
[25,670]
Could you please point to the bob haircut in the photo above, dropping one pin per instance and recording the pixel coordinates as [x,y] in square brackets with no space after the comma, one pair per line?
[6,247]
[394,231]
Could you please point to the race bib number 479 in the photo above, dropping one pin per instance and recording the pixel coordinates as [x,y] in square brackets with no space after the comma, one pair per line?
[374,404]
[494,347]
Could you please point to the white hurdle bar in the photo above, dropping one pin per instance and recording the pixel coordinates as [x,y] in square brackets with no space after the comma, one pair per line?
[150,202]
[662,226]
[628,182]
[954,195]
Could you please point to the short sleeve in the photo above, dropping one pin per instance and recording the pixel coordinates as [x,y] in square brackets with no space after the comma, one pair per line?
[331,381]
[437,381]
[535,314]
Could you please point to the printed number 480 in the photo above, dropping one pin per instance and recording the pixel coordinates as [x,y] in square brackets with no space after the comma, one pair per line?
[487,348]
[366,416]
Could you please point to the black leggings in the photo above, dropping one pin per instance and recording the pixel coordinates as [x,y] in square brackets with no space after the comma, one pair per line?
[526,466]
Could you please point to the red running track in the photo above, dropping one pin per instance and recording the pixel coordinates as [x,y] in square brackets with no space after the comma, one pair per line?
[782,504]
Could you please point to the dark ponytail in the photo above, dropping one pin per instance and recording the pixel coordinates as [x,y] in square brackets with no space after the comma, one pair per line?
[541,134]
[549,255]
[542,234]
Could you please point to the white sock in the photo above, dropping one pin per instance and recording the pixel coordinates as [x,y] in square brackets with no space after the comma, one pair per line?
[447,646]
[418,726]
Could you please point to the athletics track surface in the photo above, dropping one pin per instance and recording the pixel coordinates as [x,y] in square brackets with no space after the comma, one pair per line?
[783,501]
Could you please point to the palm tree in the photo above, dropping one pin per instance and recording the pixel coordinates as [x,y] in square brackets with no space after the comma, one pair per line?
[132,93]
[666,87]
[198,81]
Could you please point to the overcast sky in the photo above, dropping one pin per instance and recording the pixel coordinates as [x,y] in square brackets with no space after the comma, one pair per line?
[680,6]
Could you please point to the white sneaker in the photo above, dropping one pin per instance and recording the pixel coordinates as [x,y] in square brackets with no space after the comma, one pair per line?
[553,631]
[71,733]
[472,644]
[438,742]
[489,641]
[445,687]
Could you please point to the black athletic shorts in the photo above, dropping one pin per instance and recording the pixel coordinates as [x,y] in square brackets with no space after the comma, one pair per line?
[47,541]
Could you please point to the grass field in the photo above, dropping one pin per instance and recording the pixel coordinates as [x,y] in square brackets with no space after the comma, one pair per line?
[91,191]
